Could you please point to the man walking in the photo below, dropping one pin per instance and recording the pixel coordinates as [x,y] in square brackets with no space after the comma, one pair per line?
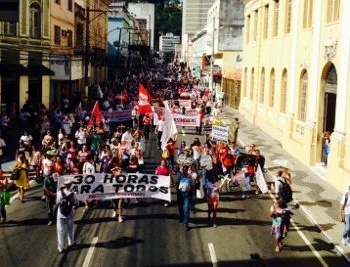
[184,193]
[65,200]
[50,189]
[344,216]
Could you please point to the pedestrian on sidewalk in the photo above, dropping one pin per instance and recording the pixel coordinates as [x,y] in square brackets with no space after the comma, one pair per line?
[344,216]
[65,200]
[326,146]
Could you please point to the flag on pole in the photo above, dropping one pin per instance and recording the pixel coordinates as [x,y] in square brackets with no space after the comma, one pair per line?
[145,99]
[96,113]
[260,180]
[169,130]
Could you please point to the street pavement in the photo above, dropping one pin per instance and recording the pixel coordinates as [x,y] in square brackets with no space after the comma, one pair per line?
[152,236]
[317,199]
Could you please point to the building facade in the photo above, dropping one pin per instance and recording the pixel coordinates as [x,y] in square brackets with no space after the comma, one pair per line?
[296,78]
[145,16]
[120,28]
[225,21]
[24,55]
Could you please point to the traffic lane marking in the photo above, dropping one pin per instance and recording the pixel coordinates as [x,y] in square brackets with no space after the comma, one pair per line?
[90,252]
[212,255]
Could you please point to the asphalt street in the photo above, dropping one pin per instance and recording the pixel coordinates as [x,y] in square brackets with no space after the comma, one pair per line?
[152,236]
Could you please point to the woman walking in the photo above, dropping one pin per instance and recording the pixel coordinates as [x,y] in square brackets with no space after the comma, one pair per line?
[280,215]
[23,181]
[213,188]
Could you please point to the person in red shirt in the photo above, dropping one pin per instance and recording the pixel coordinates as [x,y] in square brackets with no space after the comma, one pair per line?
[163,169]
[59,166]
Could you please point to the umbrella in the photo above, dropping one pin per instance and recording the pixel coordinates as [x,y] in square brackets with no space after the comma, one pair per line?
[284,163]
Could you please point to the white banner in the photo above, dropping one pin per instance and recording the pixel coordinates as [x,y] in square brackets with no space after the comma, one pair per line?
[124,185]
[220,133]
[186,120]
[260,180]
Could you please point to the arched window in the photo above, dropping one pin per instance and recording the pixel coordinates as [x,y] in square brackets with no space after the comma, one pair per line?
[303,96]
[35,20]
[284,91]
[262,87]
[272,88]
[245,82]
[252,85]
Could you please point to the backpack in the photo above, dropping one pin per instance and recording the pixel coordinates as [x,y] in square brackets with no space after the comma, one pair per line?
[66,204]
[287,193]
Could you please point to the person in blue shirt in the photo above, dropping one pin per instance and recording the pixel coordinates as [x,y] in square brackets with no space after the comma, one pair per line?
[184,194]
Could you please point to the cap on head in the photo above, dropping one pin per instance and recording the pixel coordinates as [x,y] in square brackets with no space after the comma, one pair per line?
[68,182]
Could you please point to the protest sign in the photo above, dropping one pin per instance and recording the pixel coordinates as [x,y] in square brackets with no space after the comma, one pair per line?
[242,181]
[186,120]
[117,115]
[220,133]
[260,180]
[125,185]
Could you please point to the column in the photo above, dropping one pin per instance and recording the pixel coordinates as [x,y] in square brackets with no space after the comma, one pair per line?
[23,90]
[45,91]
[314,75]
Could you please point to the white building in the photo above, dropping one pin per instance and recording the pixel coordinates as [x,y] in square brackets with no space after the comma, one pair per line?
[167,42]
[145,14]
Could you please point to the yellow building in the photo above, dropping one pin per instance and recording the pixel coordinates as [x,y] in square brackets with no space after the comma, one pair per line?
[296,78]
[24,53]
[62,27]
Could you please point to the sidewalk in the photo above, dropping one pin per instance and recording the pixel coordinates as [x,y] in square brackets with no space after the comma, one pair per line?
[317,199]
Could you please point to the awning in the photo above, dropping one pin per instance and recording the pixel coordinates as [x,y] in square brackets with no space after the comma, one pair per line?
[9,69]
[39,70]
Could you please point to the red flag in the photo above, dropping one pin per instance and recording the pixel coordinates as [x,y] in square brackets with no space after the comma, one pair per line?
[144,100]
[95,113]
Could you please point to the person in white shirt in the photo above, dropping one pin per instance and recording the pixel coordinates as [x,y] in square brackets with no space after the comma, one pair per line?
[47,165]
[67,125]
[65,219]
[159,130]
[127,138]
[88,168]
[26,138]
[80,135]
[344,216]
[206,164]
[2,145]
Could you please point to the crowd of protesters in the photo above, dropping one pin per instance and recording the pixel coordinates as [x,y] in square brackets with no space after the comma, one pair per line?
[63,141]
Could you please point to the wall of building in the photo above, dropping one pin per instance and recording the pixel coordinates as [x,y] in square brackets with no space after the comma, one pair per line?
[296,52]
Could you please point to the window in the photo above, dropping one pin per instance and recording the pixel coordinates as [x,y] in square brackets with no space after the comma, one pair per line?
[35,21]
[57,35]
[284,91]
[248,30]
[255,25]
[262,87]
[70,5]
[245,83]
[272,88]
[333,11]
[288,15]
[252,85]
[266,21]
[10,28]
[70,38]
[308,9]
[303,96]
[275,18]
[58,2]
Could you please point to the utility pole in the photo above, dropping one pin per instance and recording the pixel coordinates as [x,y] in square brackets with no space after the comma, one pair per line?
[118,55]
[87,52]
[129,51]
[212,59]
